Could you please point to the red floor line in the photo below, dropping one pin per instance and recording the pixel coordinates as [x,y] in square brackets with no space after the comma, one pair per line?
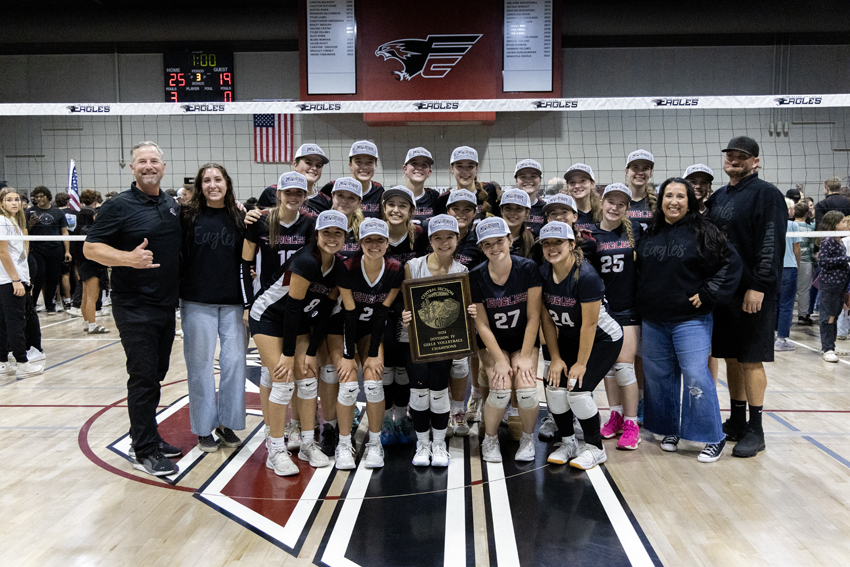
[64,406]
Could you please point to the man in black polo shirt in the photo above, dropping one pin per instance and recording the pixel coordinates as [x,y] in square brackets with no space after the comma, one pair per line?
[138,234]
[753,215]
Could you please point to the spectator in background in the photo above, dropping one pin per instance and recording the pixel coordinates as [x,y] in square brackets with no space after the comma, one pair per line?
[69,276]
[251,204]
[43,219]
[90,272]
[833,201]
[556,185]
[88,198]
[98,200]
[788,288]
[805,266]
[794,194]
[110,195]
[832,283]
[844,318]
[174,193]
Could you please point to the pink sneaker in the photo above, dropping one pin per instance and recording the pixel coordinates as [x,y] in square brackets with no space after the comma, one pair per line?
[614,426]
[631,436]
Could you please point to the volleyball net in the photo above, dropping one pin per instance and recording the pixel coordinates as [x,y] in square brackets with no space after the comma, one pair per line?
[804,139]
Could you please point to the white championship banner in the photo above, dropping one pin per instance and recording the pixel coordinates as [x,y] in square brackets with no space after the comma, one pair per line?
[425,106]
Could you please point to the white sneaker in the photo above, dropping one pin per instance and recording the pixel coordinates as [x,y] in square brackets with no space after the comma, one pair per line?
[374,455]
[841,351]
[28,369]
[344,456]
[34,355]
[526,451]
[311,453]
[293,436]
[75,312]
[458,424]
[564,451]
[589,457]
[548,428]
[439,455]
[490,450]
[830,356]
[107,301]
[473,409]
[281,463]
[9,367]
[422,458]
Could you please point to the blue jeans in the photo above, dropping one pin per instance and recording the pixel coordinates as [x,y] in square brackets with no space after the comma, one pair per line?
[785,305]
[672,351]
[202,325]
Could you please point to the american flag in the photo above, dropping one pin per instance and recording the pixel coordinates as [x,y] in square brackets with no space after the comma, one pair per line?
[73,188]
[274,138]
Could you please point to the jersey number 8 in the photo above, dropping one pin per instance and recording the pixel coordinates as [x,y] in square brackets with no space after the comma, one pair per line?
[312,305]
[612,263]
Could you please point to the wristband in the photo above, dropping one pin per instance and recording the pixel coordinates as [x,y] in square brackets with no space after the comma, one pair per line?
[16,281]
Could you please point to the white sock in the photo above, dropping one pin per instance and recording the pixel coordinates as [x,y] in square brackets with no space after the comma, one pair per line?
[456,406]
[307,437]
[278,443]
[526,435]
[331,422]
[476,392]
[632,419]
[486,437]
[296,423]
[423,437]
[374,437]
[345,439]
[399,412]
[569,439]
[618,409]
[439,436]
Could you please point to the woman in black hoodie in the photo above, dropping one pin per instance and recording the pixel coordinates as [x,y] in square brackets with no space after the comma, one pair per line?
[687,268]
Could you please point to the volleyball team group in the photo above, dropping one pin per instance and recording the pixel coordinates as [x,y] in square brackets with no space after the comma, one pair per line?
[631,287]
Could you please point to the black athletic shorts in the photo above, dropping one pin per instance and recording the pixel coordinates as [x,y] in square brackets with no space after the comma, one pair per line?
[744,336]
[271,324]
[627,318]
[603,355]
[87,269]
[510,346]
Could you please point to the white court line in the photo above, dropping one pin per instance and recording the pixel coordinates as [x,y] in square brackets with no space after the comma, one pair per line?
[816,350]
[503,522]
[334,555]
[58,323]
[455,538]
[629,539]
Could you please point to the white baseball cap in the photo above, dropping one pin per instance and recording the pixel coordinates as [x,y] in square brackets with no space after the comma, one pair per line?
[583,167]
[516,197]
[617,188]
[311,150]
[556,229]
[331,219]
[560,199]
[464,152]
[699,168]
[363,148]
[442,222]
[640,154]
[348,184]
[399,191]
[528,164]
[461,195]
[418,152]
[292,180]
[492,227]
[372,226]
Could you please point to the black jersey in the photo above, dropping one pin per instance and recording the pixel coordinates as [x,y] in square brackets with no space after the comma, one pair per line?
[563,301]
[306,263]
[426,203]
[351,246]
[369,294]
[536,218]
[517,244]
[290,239]
[370,204]
[641,212]
[403,251]
[584,221]
[506,305]
[467,251]
[614,260]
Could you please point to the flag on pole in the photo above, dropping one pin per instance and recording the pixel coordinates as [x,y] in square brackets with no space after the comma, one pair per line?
[274,138]
[73,188]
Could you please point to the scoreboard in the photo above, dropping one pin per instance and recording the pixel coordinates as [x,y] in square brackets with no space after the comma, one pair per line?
[198,76]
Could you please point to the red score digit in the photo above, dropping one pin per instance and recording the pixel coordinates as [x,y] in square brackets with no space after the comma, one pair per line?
[224,78]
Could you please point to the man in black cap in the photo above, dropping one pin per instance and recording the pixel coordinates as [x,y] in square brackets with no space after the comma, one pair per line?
[753,215]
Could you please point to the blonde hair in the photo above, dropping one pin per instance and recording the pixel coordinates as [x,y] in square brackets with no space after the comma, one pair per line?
[18,219]
[355,221]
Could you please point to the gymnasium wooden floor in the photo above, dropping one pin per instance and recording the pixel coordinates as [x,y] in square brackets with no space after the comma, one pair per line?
[69,497]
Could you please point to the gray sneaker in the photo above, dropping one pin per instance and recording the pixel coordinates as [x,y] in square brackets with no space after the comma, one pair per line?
[156,464]
[311,453]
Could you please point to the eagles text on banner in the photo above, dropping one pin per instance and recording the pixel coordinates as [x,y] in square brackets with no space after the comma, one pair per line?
[274,138]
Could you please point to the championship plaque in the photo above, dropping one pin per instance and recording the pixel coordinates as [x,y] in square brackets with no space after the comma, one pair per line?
[440,328]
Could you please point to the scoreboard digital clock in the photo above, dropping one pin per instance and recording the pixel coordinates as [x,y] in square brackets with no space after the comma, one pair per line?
[198,76]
